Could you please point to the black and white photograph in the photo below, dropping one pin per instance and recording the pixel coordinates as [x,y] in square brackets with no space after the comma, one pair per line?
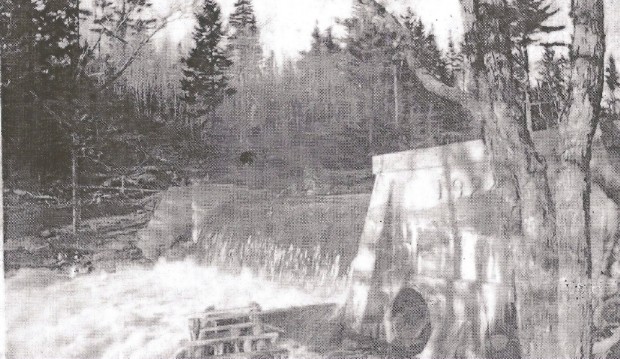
[310,179]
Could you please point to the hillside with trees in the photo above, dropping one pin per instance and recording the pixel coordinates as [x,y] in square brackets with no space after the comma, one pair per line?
[101,111]
[138,102]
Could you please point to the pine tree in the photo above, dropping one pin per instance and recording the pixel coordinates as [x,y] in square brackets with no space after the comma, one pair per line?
[527,21]
[245,41]
[205,80]
[613,82]
[243,18]
[428,52]
[550,94]
[435,60]
[328,41]
[245,72]
[317,40]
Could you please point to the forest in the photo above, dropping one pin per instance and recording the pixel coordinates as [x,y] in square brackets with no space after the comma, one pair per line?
[86,86]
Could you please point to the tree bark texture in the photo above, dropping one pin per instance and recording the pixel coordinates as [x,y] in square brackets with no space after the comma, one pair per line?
[573,182]
[74,187]
[521,179]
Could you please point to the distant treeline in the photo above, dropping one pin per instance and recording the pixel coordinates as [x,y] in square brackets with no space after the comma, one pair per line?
[92,87]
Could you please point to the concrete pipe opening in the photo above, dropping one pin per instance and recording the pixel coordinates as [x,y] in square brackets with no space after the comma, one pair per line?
[410,323]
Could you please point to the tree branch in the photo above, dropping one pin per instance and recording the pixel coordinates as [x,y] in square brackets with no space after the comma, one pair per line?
[380,16]
[135,53]
[59,119]
[131,58]
[606,169]
[453,94]
[601,348]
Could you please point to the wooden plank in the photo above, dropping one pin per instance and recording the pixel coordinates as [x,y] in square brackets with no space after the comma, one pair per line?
[201,342]
[280,353]
[121,188]
[275,353]
[226,313]
[216,328]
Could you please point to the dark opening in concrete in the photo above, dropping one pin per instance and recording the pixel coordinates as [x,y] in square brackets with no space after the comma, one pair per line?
[410,322]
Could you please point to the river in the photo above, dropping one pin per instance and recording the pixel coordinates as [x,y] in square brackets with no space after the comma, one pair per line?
[134,313]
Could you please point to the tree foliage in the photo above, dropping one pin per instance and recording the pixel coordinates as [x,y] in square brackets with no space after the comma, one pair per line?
[427,50]
[550,94]
[116,101]
[243,17]
[612,77]
[206,81]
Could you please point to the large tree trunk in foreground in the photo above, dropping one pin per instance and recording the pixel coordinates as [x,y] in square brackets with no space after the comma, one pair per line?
[572,190]
[521,179]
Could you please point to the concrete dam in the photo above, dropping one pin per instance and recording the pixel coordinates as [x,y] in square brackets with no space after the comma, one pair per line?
[425,264]
[432,273]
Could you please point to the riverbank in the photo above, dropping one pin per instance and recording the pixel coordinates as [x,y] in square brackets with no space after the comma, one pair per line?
[38,235]
[306,233]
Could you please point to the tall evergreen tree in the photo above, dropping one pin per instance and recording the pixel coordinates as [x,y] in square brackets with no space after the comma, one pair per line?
[243,17]
[317,40]
[245,72]
[323,42]
[529,22]
[454,64]
[429,54]
[329,42]
[550,94]
[205,80]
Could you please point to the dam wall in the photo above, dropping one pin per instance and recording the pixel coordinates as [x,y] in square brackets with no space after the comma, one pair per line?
[433,272]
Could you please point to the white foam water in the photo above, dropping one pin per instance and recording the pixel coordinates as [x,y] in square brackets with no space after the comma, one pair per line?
[133,313]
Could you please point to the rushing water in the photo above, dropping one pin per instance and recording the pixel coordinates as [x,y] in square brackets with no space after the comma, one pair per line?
[133,313]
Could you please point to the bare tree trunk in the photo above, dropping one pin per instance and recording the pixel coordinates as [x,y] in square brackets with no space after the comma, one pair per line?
[528,95]
[572,192]
[395,73]
[521,178]
[74,187]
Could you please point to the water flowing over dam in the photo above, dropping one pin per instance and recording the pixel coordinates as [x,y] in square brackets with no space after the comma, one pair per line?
[133,313]
[302,240]
[239,257]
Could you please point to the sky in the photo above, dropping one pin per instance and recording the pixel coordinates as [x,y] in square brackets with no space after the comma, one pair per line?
[286,25]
